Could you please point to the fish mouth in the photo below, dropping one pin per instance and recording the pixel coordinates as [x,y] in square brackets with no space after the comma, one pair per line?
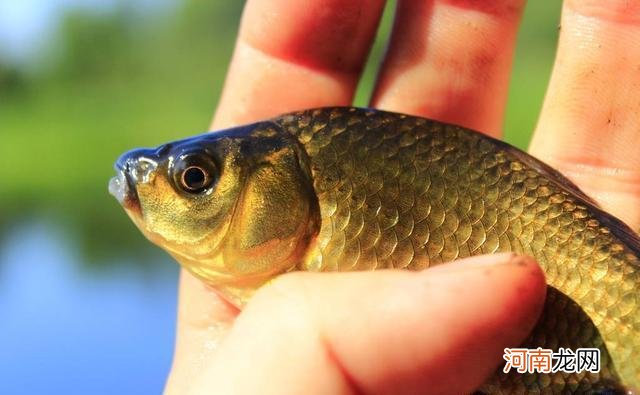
[120,187]
[134,167]
[123,188]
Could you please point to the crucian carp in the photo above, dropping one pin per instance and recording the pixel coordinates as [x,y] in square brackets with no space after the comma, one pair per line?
[338,189]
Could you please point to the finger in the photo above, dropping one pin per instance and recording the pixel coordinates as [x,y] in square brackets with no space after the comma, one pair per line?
[450,60]
[380,332]
[588,128]
[204,318]
[296,54]
[289,55]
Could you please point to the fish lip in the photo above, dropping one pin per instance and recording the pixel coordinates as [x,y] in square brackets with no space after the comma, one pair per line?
[123,187]
[132,168]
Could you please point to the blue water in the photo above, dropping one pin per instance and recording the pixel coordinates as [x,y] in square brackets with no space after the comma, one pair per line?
[68,328]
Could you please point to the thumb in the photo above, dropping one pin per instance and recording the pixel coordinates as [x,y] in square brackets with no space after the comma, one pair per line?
[443,329]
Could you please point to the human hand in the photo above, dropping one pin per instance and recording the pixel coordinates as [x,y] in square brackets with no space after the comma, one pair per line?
[394,332]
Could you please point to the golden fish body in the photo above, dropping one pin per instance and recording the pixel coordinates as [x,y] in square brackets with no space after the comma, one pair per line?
[340,189]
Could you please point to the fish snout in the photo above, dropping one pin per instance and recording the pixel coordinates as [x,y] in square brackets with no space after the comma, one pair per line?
[133,167]
[138,164]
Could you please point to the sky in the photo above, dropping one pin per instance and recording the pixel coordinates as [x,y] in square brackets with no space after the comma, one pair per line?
[26,25]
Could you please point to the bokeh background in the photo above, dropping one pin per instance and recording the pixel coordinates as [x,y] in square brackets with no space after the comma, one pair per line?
[87,305]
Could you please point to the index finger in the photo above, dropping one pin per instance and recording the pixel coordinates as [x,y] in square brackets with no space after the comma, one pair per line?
[292,55]
[588,127]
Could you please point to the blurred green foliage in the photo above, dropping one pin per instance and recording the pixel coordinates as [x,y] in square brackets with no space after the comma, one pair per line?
[115,81]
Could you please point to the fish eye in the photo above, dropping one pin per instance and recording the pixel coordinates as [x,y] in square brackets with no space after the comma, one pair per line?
[194,174]
[194,178]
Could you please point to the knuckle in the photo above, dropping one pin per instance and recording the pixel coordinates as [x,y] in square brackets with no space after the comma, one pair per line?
[614,187]
[623,11]
[594,171]
[502,8]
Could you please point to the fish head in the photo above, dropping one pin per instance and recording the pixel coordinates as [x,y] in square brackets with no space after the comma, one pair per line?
[235,207]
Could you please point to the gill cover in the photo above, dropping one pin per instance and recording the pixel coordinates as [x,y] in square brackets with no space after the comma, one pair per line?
[277,213]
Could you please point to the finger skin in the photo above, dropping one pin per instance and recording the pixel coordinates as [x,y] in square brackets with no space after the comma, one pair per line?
[292,55]
[588,128]
[387,332]
[204,318]
[450,60]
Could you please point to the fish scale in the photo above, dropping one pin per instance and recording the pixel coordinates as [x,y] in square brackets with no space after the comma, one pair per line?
[344,189]
[430,193]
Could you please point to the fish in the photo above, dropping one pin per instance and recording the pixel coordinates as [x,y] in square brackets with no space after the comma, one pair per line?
[346,189]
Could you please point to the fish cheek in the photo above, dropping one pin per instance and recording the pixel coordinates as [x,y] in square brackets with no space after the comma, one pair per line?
[191,225]
[162,213]
[275,220]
